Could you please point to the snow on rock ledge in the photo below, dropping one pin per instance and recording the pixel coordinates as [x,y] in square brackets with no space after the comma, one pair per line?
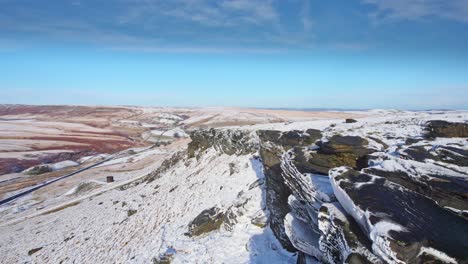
[302,236]
[400,223]
[341,239]
[225,141]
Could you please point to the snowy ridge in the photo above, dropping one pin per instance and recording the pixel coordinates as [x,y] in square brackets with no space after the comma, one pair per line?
[262,194]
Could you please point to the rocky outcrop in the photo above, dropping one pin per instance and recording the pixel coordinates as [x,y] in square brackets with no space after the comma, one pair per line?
[277,192]
[207,221]
[446,191]
[290,139]
[337,151]
[440,128]
[453,155]
[345,145]
[45,168]
[337,200]
[317,225]
[350,120]
[341,240]
[327,235]
[226,141]
[404,226]
[272,146]
[39,169]
[446,154]
[380,236]
[165,166]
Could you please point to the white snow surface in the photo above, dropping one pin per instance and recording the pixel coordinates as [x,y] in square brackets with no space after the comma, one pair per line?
[99,229]
[164,208]
[93,158]
[436,253]
[63,164]
[170,133]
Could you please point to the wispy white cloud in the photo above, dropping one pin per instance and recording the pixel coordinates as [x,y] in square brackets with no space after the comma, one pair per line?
[204,12]
[395,10]
[196,26]
[305,16]
[172,26]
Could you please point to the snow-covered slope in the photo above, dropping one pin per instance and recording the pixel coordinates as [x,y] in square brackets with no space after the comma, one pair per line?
[148,220]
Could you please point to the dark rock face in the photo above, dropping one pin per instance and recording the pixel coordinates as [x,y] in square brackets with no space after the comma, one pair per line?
[347,238]
[131,212]
[294,197]
[338,151]
[342,241]
[272,147]
[446,191]
[226,141]
[439,128]
[345,144]
[34,250]
[400,222]
[277,192]
[303,258]
[329,235]
[350,120]
[447,154]
[207,221]
[316,162]
[289,139]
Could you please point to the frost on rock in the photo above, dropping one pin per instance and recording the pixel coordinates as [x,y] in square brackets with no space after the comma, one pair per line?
[399,222]
[442,128]
[207,221]
[302,236]
[225,141]
[341,238]
[282,179]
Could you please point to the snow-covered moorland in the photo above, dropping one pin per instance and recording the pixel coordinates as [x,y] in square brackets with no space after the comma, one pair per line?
[387,187]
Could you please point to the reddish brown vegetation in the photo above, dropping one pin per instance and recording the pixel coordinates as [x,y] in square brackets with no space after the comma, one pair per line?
[89,142]
[16,165]
[104,145]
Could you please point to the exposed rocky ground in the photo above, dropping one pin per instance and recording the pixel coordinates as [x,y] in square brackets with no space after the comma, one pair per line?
[387,188]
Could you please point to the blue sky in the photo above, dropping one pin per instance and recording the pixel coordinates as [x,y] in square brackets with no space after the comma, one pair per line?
[409,54]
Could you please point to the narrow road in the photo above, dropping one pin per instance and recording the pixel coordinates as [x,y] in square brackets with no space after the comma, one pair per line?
[23,193]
